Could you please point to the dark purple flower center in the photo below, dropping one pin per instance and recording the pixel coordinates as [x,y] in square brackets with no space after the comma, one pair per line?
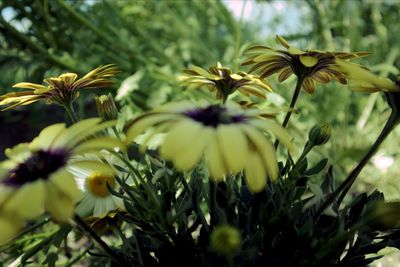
[214,115]
[39,166]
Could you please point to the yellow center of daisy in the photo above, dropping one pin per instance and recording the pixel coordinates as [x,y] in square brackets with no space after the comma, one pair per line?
[97,184]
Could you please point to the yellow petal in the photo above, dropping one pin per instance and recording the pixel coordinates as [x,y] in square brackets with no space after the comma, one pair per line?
[47,136]
[79,131]
[214,159]
[284,74]
[278,131]
[266,56]
[27,201]
[308,61]
[309,85]
[282,41]
[255,173]
[59,205]
[187,158]
[65,182]
[179,137]
[68,78]
[18,153]
[265,149]
[295,51]
[233,145]
[142,124]
[358,73]
[248,90]
[9,228]
[32,86]
[206,74]
[75,130]
[151,135]
[97,144]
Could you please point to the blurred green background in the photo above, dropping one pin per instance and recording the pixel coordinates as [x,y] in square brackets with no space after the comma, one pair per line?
[152,41]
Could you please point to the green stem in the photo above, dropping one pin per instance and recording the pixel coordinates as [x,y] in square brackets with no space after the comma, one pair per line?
[292,104]
[69,108]
[78,257]
[307,148]
[117,258]
[348,182]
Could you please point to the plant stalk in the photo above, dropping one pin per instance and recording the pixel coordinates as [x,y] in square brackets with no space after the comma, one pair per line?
[69,108]
[348,182]
[292,104]
[99,241]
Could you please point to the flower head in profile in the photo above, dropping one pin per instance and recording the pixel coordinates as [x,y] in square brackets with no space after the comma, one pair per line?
[311,66]
[97,200]
[230,138]
[35,177]
[224,82]
[363,80]
[62,90]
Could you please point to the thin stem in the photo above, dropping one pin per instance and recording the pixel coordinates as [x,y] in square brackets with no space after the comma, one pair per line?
[78,257]
[99,241]
[307,148]
[292,104]
[348,182]
[69,108]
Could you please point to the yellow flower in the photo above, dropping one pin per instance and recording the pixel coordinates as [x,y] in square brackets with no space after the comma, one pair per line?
[311,66]
[362,80]
[35,177]
[63,89]
[231,138]
[224,82]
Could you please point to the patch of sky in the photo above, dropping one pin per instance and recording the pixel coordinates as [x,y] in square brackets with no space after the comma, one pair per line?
[272,17]
[8,14]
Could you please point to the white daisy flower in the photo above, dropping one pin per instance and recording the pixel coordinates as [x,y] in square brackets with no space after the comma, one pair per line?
[97,200]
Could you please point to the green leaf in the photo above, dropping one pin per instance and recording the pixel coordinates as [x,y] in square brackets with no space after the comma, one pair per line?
[317,168]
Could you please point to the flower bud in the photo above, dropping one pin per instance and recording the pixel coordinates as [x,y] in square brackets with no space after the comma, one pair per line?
[319,134]
[225,239]
[106,107]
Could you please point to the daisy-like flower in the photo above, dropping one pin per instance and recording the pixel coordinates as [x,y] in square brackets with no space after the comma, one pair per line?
[62,90]
[97,201]
[224,82]
[231,139]
[35,178]
[362,80]
[310,66]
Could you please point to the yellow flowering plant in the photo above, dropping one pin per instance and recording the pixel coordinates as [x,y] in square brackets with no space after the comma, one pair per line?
[62,90]
[224,82]
[193,183]
[309,66]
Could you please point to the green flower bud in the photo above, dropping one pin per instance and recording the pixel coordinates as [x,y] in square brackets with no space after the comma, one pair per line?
[106,107]
[225,239]
[319,134]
